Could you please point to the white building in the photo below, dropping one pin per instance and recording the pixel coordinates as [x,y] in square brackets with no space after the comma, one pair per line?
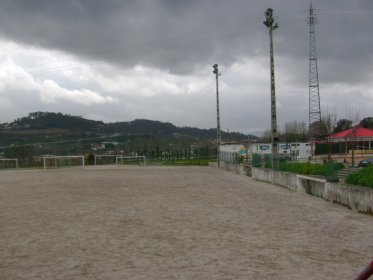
[300,151]
[296,151]
[233,152]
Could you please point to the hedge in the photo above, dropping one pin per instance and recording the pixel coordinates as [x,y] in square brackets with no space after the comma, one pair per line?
[364,177]
[307,168]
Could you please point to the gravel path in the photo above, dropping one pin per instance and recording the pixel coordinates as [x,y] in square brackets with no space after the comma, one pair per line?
[172,223]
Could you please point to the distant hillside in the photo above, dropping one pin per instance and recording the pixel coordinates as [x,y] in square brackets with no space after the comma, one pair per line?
[141,126]
[45,133]
[39,121]
[156,127]
[47,120]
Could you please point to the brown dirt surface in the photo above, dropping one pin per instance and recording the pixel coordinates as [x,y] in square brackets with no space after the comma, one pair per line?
[172,223]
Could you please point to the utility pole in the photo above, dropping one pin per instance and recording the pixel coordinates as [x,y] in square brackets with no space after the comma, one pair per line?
[271,25]
[218,135]
[314,125]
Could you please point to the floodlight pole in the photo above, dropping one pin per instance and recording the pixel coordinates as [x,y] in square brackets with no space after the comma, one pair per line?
[218,134]
[271,25]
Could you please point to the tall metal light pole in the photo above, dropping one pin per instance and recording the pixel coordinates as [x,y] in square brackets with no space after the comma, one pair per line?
[218,135]
[271,25]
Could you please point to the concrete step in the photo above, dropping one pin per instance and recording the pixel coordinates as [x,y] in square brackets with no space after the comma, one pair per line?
[343,173]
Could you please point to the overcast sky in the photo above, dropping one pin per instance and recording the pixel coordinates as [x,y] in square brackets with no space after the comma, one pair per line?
[118,60]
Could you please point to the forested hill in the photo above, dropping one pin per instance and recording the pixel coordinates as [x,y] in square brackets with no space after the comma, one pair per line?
[157,127]
[49,120]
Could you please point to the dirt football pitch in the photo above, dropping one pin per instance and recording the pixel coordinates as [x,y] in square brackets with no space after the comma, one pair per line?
[172,223]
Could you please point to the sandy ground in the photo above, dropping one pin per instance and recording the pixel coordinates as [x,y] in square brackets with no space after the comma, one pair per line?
[172,223]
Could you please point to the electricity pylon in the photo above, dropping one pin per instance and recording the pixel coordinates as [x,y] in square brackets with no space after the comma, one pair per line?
[314,92]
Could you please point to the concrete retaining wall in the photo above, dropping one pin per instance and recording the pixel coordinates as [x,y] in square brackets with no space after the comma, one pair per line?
[236,167]
[311,185]
[285,179]
[357,198]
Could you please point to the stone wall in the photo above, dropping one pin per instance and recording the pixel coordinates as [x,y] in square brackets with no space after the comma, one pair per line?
[357,198]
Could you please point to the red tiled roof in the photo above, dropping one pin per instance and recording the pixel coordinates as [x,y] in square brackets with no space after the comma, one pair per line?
[353,132]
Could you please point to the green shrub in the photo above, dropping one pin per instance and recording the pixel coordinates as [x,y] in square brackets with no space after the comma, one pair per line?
[307,168]
[364,177]
[303,168]
[90,159]
[256,160]
[339,165]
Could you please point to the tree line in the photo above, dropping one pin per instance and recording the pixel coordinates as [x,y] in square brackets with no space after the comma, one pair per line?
[298,131]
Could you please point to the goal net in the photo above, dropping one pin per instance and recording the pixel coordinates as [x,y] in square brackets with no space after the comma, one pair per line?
[8,163]
[105,159]
[130,160]
[62,161]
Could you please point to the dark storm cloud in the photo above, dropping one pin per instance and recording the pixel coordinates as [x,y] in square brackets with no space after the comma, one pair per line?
[179,35]
[188,36]
[173,35]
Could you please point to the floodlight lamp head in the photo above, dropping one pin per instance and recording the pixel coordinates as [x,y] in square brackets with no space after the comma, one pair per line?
[216,71]
[268,13]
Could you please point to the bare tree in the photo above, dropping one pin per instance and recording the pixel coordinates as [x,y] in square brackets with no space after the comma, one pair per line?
[266,136]
[295,131]
[325,127]
[355,117]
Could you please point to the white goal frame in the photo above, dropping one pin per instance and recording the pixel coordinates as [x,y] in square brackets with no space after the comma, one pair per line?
[10,159]
[117,159]
[57,157]
[100,156]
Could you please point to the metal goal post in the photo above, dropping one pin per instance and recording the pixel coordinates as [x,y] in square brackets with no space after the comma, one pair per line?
[122,159]
[105,156]
[56,158]
[5,160]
